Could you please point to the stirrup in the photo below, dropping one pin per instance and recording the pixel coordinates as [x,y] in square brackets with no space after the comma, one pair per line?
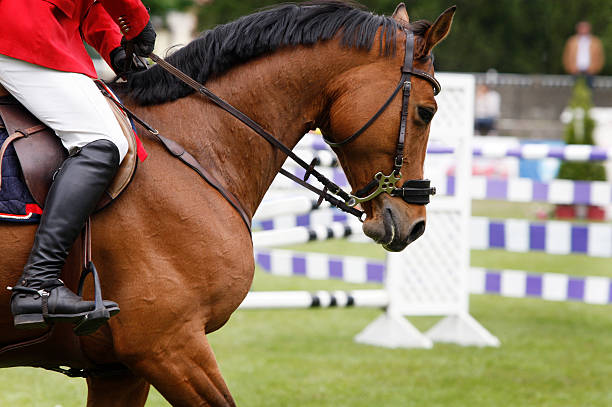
[100,315]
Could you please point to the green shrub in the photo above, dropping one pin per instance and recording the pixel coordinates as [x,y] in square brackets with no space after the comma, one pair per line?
[580,131]
[582,171]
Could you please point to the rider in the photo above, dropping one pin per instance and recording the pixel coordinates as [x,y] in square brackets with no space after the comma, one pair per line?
[45,66]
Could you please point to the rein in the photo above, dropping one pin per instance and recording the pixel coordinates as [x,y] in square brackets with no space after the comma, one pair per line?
[412,191]
[328,185]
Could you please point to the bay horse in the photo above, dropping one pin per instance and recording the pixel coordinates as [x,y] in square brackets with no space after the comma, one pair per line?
[172,251]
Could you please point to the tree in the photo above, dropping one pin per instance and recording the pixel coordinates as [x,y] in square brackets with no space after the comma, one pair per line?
[580,131]
[521,36]
[161,7]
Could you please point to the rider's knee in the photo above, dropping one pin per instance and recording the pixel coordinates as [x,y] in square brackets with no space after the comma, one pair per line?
[119,140]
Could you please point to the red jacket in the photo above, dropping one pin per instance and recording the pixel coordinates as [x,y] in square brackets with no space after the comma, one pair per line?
[50,33]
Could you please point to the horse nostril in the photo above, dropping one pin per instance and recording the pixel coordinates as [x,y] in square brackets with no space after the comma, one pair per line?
[417,230]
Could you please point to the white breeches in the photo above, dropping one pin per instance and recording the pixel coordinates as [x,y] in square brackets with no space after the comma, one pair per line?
[69,103]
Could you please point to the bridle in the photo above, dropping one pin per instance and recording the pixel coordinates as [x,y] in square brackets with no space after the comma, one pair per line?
[413,191]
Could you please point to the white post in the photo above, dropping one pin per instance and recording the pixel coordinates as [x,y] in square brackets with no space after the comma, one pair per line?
[430,277]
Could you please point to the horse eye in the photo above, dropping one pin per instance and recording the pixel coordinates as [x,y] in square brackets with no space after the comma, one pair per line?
[425,113]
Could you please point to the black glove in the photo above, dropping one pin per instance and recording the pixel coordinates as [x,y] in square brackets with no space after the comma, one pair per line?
[124,66]
[143,43]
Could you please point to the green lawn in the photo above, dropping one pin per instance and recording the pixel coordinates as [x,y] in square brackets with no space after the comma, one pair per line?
[504,209]
[552,354]
[576,265]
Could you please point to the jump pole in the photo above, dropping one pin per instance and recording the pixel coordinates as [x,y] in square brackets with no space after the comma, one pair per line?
[318,299]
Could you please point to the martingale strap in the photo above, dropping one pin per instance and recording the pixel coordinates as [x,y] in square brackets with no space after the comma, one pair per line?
[179,152]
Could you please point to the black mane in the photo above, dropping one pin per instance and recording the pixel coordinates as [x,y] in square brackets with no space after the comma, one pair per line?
[217,50]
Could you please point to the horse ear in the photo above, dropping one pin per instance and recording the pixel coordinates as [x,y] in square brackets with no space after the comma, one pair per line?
[401,14]
[439,30]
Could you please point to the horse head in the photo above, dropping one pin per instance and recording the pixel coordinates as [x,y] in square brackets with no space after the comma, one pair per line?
[282,68]
[373,149]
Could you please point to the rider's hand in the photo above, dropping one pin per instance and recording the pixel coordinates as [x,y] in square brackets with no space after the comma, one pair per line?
[143,43]
[124,66]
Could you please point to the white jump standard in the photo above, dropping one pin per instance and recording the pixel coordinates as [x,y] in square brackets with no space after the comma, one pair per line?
[418,281]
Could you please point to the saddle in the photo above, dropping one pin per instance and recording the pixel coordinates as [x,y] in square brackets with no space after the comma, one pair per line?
[40,151]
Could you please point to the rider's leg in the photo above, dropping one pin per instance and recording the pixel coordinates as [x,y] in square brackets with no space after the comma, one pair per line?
[67,102]
[72,106]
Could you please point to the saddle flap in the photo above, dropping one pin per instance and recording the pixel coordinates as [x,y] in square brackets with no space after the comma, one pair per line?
[128,165]
[39,156]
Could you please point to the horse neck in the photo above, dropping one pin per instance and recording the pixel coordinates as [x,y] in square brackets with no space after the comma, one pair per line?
[284,93]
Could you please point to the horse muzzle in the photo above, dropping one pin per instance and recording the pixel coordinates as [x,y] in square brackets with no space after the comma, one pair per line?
[394,224]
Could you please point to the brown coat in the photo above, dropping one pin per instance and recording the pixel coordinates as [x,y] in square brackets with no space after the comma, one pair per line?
[571,50]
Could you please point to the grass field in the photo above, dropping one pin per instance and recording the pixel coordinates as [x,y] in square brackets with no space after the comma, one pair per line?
[552,354]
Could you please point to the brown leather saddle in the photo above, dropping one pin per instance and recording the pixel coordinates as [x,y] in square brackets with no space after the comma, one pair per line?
[40,151]
[40,154]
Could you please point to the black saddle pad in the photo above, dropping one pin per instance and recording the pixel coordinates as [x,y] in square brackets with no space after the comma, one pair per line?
[16,202]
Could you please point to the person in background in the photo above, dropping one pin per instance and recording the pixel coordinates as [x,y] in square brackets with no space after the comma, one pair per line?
[487,109]
[583,55]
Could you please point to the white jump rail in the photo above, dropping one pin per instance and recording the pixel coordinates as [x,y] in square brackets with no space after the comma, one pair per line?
[300,234]
[312,146]
[507,283]
[318,299]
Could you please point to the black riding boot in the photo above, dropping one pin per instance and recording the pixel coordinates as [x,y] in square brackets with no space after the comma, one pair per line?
[40,297]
